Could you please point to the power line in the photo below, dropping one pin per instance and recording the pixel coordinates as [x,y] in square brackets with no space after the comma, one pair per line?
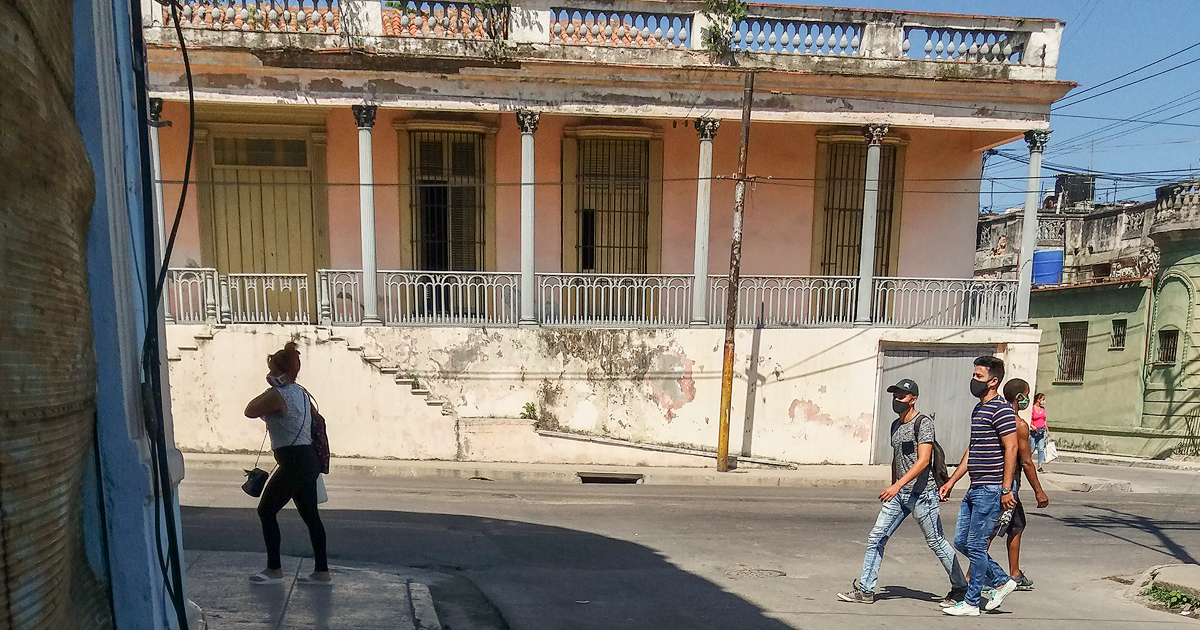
[1135,71]
[1121,87]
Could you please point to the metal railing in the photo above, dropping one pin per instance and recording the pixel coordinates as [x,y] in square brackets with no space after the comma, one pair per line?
[943,302]
[339,297]
[450,298]
[786,301]
[638,300]
[191,295]
[477,298]
[265,298]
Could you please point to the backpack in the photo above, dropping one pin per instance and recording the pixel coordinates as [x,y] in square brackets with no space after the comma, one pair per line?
[318,433]
[937,463]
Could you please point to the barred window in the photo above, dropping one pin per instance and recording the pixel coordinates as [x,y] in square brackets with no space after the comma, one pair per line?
[1168,346]
[1118,334]
[447,201]
[845,187]
[1072,351]
[614,205]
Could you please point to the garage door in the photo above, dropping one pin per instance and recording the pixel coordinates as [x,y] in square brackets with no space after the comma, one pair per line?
[942,373]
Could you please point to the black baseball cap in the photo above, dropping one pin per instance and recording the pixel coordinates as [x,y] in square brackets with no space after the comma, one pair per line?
[906,385]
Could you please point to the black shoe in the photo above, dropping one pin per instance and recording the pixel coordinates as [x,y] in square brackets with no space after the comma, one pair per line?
[857,595]
[1024,583]
[953,597]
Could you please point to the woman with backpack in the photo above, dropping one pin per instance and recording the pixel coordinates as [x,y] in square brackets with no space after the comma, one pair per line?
[288,412]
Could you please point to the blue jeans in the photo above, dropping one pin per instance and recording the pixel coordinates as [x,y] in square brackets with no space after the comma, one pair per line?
[1037,444]
[924,507]
[976,521]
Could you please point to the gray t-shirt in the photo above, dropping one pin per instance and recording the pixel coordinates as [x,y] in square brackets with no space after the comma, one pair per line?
[904,452]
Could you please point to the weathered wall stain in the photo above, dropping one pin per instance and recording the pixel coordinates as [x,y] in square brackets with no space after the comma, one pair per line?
[671,381]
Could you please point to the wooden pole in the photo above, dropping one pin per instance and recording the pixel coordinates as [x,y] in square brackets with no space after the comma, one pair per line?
[735,273]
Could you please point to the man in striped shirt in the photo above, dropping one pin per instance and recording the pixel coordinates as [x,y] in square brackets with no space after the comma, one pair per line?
[992,460]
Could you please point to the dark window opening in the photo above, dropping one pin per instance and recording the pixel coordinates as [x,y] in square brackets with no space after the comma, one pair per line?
[845,188]
[448,201]
[614,206]
[1168,346]
[1118,334]
[259,152]
[1072,351]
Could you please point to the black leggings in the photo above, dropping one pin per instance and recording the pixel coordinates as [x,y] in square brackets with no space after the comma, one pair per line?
[295,480]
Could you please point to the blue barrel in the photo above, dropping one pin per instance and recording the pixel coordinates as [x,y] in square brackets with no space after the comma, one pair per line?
[1047,266]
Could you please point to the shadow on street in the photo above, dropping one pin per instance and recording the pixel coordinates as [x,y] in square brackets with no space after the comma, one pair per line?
[572,579]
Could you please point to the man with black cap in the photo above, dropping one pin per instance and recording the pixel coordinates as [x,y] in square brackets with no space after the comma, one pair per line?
[914,490]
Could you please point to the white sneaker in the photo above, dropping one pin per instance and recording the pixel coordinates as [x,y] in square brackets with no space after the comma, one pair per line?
[1000,594]
[962,609]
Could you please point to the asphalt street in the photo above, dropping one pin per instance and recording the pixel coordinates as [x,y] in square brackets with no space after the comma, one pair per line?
[670,557]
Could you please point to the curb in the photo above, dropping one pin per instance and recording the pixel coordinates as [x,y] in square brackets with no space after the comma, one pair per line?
[1129,462]
[814,476]
[1086,484]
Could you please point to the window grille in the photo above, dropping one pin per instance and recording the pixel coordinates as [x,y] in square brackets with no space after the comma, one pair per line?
[845,187]
[1168,346]
[1072,351]
[447,201]
[1118,334]
[614,205]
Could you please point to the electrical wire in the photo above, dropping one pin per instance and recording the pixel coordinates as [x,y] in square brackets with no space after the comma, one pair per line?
[1123,86]
[1132,72]
[152,386]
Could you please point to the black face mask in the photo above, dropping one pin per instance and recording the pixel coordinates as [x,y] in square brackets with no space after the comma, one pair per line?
[978,388]
[900,407]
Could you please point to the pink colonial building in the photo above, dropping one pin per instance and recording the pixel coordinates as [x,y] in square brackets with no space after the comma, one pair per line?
[501,231]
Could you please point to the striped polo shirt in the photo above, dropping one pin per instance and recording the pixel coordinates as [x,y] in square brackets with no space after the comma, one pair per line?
[989,422]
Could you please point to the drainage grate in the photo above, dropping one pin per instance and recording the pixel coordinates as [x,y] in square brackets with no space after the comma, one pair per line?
[756,573]
[609,477]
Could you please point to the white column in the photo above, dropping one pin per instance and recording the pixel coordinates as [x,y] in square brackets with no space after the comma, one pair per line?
[528,120]
[866,255]
[156,105]
[365,115]
[707,128]
[1037,140]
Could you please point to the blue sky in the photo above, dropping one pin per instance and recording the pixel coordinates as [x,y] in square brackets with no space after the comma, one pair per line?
[1103,39]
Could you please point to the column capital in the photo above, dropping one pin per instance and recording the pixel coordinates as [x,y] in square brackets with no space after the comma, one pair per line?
[1037,139]
[528,120]
[364,115]
[875,133]
[707,127]
[156,106]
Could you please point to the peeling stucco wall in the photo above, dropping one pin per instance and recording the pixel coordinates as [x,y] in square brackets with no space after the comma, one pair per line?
[813,399]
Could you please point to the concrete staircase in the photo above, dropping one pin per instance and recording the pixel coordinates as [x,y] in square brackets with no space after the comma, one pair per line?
[378,363]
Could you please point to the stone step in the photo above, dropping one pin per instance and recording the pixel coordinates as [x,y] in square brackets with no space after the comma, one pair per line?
[205,336]
[373,359]
[420,392]
[189,348]
[434,402]
[389,369]
[354,348]
[401,380]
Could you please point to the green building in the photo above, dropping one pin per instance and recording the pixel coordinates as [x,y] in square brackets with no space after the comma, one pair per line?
[1120,356]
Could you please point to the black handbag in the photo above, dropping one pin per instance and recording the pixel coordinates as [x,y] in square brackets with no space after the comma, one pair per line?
[256,479]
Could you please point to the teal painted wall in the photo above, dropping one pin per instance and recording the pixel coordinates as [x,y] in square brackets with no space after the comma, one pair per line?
[1103,414]
[1173,390]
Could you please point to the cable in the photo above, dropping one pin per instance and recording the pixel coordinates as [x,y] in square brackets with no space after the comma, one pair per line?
[1134,71]
[152,387]
[1121,87]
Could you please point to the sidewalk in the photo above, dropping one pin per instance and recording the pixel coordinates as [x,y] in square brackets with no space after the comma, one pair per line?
[357,599]
[811,476]
[1132,462]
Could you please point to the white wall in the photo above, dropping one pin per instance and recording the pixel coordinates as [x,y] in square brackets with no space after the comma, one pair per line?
[814,400]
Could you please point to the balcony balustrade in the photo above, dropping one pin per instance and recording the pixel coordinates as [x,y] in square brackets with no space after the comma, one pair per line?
[446,298]
[770,29]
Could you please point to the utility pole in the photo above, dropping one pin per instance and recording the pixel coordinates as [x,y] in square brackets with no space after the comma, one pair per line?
[735,273]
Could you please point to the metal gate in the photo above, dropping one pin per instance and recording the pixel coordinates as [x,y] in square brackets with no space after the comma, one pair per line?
[942,373]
